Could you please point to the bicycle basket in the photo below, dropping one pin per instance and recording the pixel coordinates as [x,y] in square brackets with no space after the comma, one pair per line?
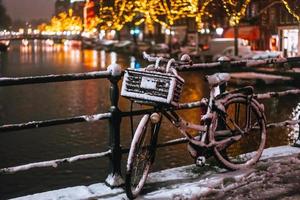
[152,86]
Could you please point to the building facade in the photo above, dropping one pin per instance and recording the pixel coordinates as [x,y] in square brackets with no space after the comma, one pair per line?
[61,6]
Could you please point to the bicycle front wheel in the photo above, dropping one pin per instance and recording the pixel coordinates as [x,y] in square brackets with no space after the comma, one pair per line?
[240,133]
[141,156]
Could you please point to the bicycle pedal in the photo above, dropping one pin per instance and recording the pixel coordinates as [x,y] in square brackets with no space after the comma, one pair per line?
[200,161]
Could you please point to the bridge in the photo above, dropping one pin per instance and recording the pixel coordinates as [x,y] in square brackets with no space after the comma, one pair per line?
[12,36]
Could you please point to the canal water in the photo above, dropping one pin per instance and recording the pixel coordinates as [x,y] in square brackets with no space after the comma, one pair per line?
[57,100]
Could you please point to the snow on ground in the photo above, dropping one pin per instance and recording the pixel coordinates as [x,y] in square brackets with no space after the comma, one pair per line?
[187,182]
[279,151]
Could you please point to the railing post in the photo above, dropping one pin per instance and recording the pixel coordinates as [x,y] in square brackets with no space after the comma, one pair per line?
[114,178]
[297,142]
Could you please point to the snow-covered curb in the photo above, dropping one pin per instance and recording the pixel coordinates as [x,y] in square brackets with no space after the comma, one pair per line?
[178,183]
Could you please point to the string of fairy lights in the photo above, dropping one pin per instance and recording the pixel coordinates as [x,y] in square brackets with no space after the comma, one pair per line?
[165,12]
[293,9]
[235,9]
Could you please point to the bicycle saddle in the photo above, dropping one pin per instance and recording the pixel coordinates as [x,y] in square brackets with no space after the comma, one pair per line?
[217,79]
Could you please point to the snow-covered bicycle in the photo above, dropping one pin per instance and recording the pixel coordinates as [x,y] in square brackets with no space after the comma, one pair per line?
[232,120]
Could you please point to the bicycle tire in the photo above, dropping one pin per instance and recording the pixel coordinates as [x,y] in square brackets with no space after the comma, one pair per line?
[142,149]
[247,150]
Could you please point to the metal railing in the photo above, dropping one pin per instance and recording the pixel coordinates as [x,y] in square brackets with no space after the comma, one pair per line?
[115,115]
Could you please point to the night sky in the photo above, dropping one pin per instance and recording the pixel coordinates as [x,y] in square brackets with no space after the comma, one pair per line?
[29,9]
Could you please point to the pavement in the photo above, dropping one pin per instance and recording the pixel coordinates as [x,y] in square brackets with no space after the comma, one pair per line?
[275,176]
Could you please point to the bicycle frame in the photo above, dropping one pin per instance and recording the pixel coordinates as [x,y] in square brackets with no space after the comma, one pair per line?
[209,118]
[183,125]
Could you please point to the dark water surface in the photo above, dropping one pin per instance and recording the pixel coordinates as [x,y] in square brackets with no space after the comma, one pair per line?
[57,100]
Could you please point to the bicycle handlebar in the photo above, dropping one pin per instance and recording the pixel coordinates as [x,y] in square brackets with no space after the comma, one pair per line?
[185,59]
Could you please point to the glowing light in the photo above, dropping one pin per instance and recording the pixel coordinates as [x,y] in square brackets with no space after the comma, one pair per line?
[290,10]
[137,31]
[102,34]
[113,32]
[103,59]
[73,1]
[36,31]
[25,42]
[219,30]
[49,42]
[21,31]
[235,10]
[65,21]
[168,31]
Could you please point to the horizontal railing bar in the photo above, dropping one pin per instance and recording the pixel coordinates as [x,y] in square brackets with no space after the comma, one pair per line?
[263,62]
[185,65]
[194,104]
[199,66]
[269,95]
[283,123]
[180,106]
[7,81]
[240,63]
[84,118]
[54,122]
[89,118]
[53,163]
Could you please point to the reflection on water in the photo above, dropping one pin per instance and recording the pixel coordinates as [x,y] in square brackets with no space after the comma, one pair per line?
[37,52]
[57,100]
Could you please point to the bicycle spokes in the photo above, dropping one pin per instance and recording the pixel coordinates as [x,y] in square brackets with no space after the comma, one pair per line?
[240,131]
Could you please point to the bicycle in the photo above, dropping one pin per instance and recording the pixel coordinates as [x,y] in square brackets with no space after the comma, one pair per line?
[232,119]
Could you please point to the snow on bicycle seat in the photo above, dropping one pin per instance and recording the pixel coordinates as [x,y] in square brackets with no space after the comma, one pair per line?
[217,79]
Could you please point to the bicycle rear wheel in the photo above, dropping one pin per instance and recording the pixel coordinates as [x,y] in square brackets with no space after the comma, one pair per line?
[240,133]
[141,156]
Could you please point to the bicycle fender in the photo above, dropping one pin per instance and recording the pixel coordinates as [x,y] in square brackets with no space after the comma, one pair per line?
[248,90]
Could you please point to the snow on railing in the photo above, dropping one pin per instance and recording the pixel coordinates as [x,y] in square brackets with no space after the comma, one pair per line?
[7,81]
[283,123]
[54,122]
[53,163]
[186,63]
[269,95]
